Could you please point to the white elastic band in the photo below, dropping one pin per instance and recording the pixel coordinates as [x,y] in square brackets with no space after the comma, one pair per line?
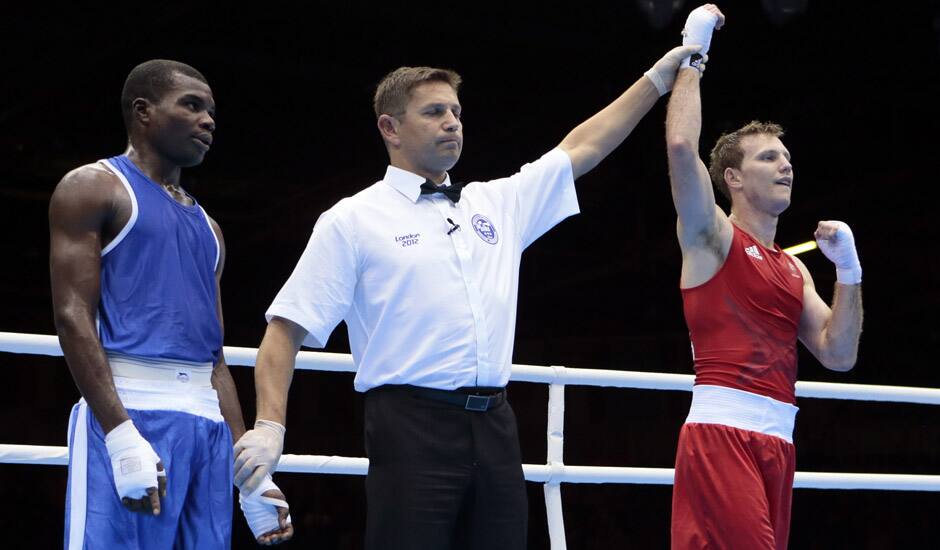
[850,276]
[742,410]
[140,368]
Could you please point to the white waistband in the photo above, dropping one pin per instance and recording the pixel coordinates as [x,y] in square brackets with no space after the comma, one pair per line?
[141,368]
[149,385]
[743,410]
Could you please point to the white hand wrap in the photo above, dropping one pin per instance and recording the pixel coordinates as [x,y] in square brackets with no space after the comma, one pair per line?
[261,511]
[257,454]
[840,250]
[133,461]
[698,30]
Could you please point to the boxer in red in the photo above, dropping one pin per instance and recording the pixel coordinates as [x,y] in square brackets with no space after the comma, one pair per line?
[746,303]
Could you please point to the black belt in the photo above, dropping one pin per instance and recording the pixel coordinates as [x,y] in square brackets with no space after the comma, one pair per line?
[471,399]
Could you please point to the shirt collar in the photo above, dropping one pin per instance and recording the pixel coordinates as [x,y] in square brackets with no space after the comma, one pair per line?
[407,183]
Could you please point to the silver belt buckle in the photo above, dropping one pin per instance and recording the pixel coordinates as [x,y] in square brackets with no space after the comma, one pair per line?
[478,402]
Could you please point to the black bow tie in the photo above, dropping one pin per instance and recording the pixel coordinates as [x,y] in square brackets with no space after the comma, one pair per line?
[452,192]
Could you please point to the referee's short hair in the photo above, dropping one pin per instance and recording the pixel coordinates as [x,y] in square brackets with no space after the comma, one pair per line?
[394,91]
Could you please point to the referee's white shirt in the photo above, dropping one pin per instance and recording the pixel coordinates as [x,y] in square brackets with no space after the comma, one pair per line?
[426,305]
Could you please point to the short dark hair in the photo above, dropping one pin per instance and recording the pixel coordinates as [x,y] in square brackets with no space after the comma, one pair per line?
[727,152]
[151,80]
[394,91]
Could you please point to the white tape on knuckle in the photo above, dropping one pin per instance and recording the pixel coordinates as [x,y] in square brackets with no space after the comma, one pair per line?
[260,511]
[698,30]
[275,502]
[261,517]
[133,461]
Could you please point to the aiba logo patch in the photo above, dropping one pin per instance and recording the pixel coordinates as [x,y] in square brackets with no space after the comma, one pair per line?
[484,229]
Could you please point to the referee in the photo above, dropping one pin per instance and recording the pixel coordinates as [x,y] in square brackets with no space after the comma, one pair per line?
[425,273]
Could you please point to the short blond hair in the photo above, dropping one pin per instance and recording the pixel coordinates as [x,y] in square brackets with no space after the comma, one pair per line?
[727,152]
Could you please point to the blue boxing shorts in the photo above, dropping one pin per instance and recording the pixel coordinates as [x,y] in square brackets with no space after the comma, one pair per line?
[176,410]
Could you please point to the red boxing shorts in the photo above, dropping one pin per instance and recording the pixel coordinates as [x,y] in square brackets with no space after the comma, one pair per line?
[733,488]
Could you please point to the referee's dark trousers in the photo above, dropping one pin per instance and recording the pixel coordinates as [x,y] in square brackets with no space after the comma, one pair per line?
[442,476]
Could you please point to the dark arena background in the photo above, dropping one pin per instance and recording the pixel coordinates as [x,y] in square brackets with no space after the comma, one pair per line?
[855,85]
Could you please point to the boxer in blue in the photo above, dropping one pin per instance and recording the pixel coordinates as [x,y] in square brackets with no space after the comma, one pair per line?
[135,265]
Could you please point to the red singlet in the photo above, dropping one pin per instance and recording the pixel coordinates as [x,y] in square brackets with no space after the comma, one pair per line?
[744,321]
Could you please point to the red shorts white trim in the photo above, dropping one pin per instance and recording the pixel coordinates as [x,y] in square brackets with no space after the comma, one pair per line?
[734,472]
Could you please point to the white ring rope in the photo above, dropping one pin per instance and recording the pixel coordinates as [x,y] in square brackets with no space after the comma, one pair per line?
[537,473]
[38,344]
[555,471]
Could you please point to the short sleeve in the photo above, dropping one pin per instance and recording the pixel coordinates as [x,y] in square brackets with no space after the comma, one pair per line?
[545,194]
[320,291]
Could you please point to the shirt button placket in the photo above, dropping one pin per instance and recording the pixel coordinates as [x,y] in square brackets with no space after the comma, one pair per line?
[458,238]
